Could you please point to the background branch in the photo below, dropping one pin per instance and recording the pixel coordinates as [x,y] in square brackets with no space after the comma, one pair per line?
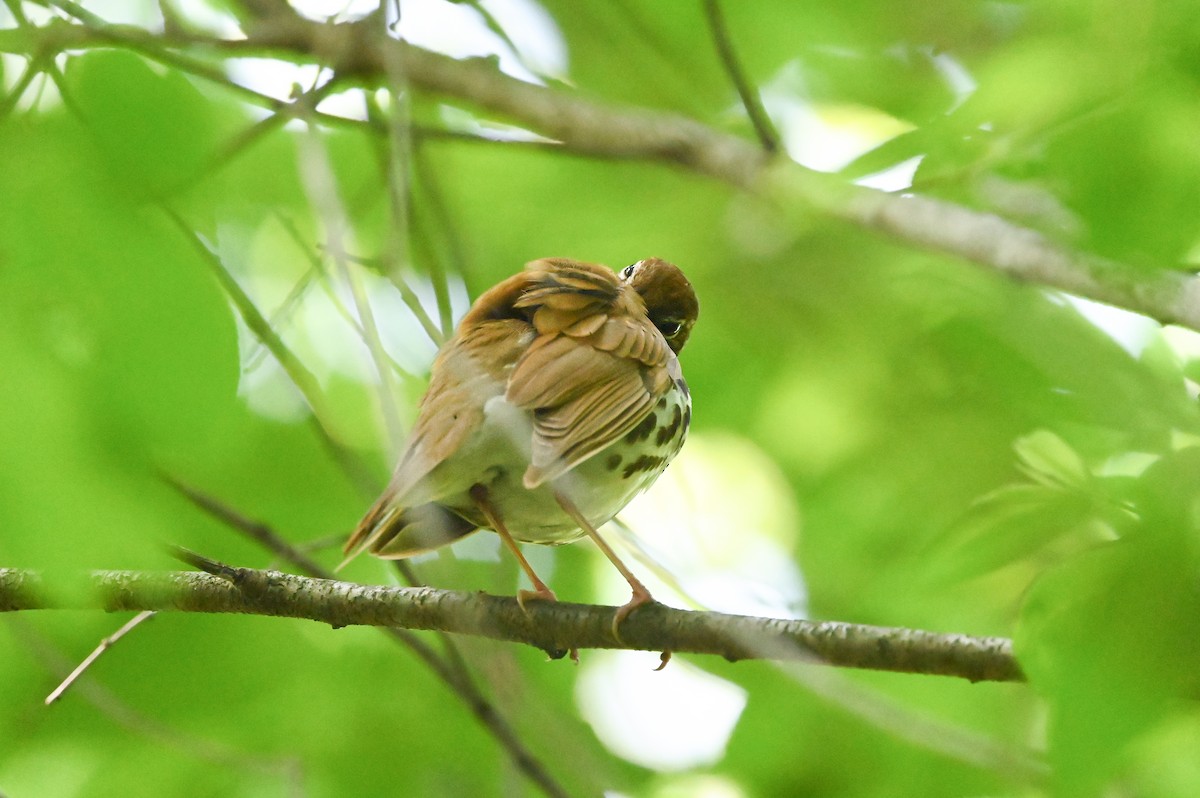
[547,626]
[587,127]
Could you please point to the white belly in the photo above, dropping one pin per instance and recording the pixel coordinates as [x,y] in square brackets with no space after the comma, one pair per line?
[600,486]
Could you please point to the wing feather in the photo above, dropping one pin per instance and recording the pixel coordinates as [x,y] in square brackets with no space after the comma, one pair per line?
[587,392]
[461,381]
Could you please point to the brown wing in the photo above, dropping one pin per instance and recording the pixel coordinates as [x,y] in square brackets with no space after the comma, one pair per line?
[587,391]
[446,418]
[470,369]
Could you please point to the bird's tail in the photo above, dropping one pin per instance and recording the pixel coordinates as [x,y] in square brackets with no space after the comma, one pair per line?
[393,532]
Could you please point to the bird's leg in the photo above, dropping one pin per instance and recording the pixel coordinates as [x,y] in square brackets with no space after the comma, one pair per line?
[640,594]
[479,495]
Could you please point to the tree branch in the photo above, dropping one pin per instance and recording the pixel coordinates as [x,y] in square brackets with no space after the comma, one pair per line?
[358,50]
[547,626]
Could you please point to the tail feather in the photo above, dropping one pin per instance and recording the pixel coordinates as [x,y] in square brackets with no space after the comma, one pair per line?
[392,533]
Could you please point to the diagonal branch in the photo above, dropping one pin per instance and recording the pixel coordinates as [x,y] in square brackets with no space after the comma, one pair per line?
[547,626]
[582,126]
[588,127]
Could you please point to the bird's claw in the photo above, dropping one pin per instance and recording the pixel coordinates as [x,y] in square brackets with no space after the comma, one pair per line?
[639,598]
[542,594]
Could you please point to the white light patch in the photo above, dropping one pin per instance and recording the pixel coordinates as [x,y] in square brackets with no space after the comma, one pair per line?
[273,78]
[351,104]
[960,81]
[698,785]
[12,67]
[268,391]
[674,719]
[824,137]
[127,12]
[459,31]
[718,529]
[206,16]
[1183,342]
[534,32]
[335,9]
[827,138]
[895,178]
[1130,330]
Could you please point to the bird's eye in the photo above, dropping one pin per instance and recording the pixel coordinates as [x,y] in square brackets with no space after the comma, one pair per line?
[627,272]
[669,329]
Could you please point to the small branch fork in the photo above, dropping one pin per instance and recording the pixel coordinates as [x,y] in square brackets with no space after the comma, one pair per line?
[548,626]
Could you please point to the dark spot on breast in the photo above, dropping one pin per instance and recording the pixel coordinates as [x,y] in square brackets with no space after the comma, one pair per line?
[642,464]
[642,431]
[681,384]
[668,432]
[662,402]
[612,462]
[687,417]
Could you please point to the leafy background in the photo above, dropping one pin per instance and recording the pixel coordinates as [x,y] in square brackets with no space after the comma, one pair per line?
[882,434]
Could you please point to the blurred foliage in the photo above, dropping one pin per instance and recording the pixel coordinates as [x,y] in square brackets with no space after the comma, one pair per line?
[967,454]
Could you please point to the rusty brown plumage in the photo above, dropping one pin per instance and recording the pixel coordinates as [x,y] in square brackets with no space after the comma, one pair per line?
[548,368]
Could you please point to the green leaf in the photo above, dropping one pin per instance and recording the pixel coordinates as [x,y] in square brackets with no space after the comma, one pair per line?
[1110,640]
[153,128]
[133,346]
[1048,459]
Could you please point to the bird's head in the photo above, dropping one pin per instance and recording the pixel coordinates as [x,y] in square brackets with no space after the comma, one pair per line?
[669,298]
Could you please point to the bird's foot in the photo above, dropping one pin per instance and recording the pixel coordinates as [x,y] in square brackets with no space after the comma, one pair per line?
[543,593]
[639,598]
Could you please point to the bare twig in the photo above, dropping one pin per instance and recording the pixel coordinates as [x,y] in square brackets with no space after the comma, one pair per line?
[105,645]
[304,380]
[321,185]
[318,268]
[303,106]
[557,625]
[434,202]
[289,769]
[751,101]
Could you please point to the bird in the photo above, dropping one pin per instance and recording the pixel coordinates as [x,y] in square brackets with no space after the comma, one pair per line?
[558,400]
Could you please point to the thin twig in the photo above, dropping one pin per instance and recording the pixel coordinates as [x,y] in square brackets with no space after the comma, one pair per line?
[105,645]
[280,316]
[918,726]
[768,136]
[110,705]
[318,267]
[10,100]
[434,201]
[254,530]
[322,190]
[395,254]
[303,106]
[304,380]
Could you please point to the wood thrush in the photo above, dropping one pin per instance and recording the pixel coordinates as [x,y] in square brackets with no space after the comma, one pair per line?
[558,400]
